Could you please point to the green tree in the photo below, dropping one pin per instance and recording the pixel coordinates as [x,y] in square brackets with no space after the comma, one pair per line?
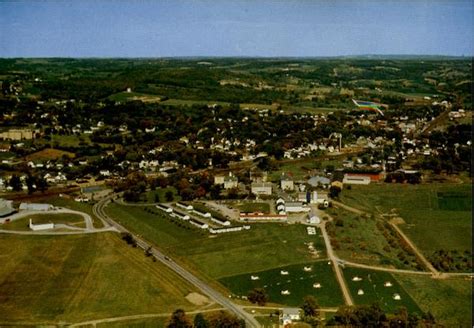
[258,296]
[200,321]
[179,320]
[15,183]
[169,196]
[310,306]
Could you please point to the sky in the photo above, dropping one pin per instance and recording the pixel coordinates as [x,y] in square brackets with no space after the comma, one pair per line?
[178,28]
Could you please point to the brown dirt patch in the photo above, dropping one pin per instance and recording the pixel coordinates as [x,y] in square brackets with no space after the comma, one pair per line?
[197,299]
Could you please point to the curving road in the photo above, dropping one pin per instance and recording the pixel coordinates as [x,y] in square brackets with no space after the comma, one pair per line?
[99,211]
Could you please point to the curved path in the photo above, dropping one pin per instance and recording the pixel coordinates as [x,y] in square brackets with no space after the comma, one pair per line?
[99,211]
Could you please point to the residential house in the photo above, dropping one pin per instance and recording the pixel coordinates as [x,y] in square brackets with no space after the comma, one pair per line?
[289,315]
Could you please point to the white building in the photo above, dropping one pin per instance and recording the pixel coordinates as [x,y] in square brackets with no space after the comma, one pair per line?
[35,207]
[44,226]
[355,179]
[286,183]
[296,207]
[261,188]
[289,315]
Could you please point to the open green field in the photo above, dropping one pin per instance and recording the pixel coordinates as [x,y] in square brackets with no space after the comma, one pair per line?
[46,279]
[372,284]
[60,218]
[298,282]
[253,207]
[359,239]
[428,222]
[263,247]
[450,301]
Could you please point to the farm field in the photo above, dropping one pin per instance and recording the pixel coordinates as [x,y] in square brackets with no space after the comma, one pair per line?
[428,224]
[372,284]
[298,282]
[360,239]
[448,300]
[46,279]
[22,224]
[263,247]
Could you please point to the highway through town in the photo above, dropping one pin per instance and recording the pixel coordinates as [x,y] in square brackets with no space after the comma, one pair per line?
[99,211]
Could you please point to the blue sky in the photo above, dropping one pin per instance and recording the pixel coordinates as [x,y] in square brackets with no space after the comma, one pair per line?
[234,28]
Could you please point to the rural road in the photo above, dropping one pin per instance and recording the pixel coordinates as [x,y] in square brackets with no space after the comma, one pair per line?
[99,211]
[334,261]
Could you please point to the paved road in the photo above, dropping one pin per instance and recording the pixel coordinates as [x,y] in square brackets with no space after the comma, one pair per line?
[205,288]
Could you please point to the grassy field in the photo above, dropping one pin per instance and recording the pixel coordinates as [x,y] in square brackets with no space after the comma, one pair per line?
[263,247]
[49,154]
[372,284]
[254,207]
[61,218]
[359,239]
[298,282]
[429,225]
[450,301]
[151,196]
[82,277]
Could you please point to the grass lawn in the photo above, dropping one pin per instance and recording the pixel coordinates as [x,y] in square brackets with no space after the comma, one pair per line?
[298,282]
[428,225]
[263,247]
[372,284]
[60,218]
[254,207]
[159,195]
[449,301]
[82,277]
